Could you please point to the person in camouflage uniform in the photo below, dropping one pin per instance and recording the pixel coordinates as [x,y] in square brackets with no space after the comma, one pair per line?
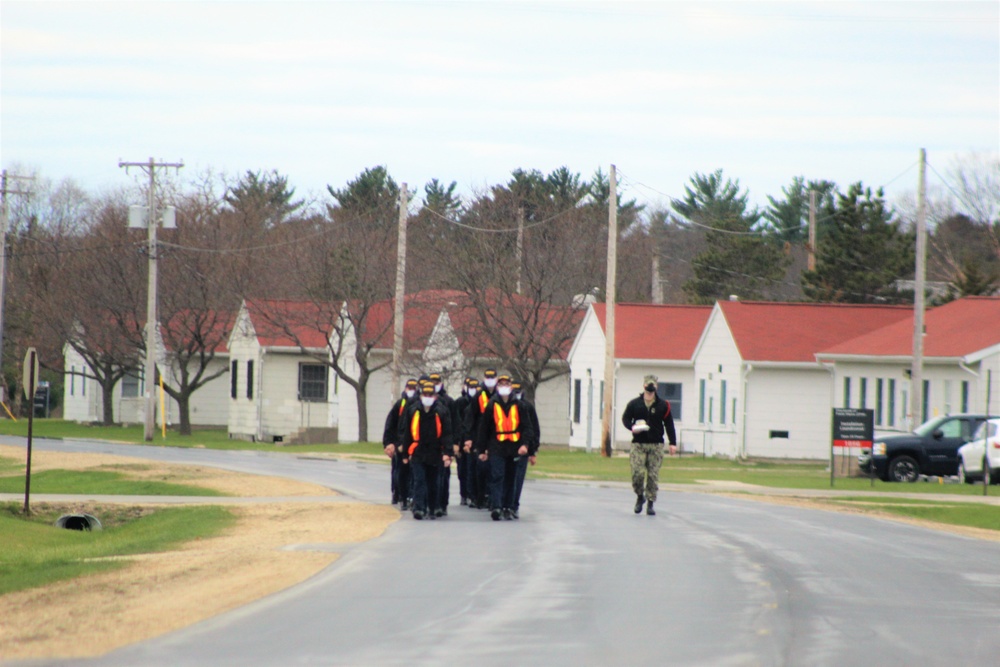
[648,416]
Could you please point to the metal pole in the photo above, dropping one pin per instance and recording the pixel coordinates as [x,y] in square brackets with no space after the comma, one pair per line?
[917,367]
[607,429]
[31,424]
[397,325]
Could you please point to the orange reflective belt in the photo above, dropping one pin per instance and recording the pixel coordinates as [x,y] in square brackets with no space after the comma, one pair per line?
[506,424]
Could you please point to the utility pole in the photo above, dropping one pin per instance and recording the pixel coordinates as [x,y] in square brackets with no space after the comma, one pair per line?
[812,230]
[152,223]
[607,430]
[4,212]
[519,249]
[917,368]
[399,314]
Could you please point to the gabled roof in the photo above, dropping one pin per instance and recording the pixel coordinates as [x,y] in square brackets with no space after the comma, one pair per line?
[212,327]
[514,326]
[956,329]
[795,332]
[655,331]
[420,313]
[285,323]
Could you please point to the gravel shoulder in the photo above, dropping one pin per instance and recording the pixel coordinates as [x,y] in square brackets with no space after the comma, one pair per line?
[158,593]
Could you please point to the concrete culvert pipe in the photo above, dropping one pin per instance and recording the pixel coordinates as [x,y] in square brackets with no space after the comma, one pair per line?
[79,522]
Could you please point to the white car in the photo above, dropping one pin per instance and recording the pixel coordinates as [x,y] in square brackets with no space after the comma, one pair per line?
[980,457]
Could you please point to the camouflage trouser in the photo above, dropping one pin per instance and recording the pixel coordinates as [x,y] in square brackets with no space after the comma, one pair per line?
[645,459]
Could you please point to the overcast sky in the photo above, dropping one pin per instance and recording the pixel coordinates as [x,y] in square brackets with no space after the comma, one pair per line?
[469,91]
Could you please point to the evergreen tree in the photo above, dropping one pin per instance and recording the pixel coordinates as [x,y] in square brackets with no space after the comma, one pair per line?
[864,253]
[788,218]
[737,258]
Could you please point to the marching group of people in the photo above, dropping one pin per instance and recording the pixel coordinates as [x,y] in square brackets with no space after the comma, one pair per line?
[491,431]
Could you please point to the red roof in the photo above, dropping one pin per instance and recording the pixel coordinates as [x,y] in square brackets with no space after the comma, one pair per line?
[956,329]
[797,331]
[654,331]
[194,329]
[420,313]
[514,326]
[282,323]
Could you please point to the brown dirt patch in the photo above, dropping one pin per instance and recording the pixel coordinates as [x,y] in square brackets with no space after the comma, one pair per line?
[157,593]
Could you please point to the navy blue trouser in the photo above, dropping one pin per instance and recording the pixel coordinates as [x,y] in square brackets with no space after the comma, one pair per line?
[425,479]
[513,481]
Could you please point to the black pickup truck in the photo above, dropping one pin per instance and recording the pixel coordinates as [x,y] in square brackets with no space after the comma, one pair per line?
[930,450]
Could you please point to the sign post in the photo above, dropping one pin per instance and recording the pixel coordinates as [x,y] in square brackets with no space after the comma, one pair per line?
[851,428]
[30,381]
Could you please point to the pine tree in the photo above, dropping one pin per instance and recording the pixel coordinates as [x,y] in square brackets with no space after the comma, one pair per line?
[863,254]
[738,259]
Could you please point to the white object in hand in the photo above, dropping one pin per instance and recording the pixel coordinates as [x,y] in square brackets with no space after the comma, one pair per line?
[639,426]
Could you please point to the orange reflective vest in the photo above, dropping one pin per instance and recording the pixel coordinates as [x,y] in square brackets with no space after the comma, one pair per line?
[507,424]
[483,400]
[415,429]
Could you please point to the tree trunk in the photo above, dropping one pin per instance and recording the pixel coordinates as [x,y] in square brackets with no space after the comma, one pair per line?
[184,408]
[107,398]
[362,413]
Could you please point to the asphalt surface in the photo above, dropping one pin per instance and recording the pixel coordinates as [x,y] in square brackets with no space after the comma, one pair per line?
[581,580]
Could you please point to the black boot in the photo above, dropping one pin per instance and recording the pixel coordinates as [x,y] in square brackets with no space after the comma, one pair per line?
[649,509]
[638,503]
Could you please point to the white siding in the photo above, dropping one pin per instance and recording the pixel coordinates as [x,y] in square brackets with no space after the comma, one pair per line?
[717,359]
[586,355]
[793,400]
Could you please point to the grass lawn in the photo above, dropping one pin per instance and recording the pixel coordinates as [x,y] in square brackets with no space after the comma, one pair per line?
[957,514]
[36,553]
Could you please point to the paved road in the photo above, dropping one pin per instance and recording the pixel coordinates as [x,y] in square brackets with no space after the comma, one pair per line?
[580,580]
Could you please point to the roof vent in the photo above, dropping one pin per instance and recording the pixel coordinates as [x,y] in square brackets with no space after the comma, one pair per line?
[734,297]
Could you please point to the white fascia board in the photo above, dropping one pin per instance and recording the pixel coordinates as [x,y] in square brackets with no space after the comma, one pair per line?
[716,312]
[275,349]
[895,359]
[979,355]
[673,363]
[785,365]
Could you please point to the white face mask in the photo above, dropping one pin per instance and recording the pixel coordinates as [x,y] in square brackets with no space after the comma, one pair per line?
[472,391]
[427,401]
[438,387]
[410,393]
[490,383]
[504,391]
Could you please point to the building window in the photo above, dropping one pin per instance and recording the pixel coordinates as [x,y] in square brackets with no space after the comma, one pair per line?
[879,388]
[965,395]
[602,397]
[250,379]
[722,402]
[130,385]
[701,401]
[863,388]
[847,392]
[576,401]
[947,397]
[312,382]
[72,380]
[711,409]
[892,402]
[734,412]
[234,373]
[672,392]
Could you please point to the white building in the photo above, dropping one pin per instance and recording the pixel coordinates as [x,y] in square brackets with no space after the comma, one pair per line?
[280,386]
[83,400]
[961,368]
[649,339]
[433,342]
